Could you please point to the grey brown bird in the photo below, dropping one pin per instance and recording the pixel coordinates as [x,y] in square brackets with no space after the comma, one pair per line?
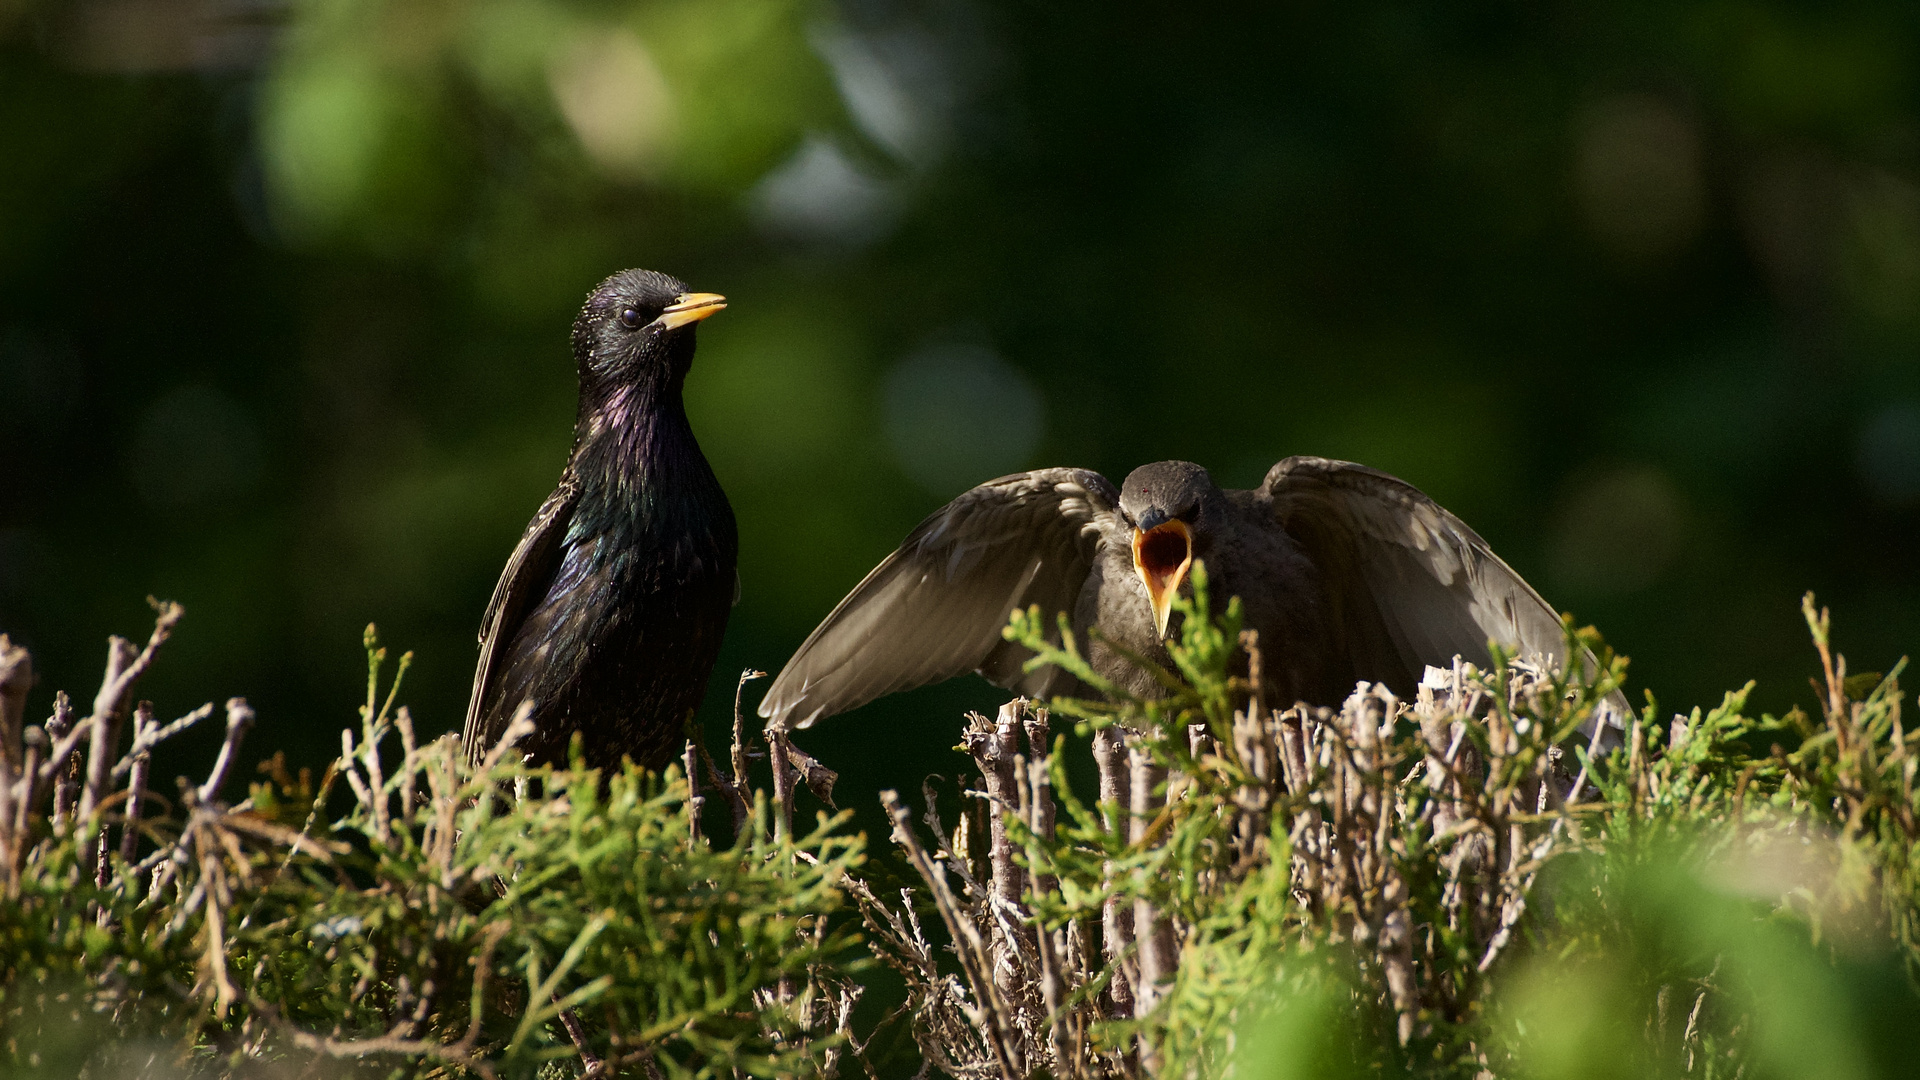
[609,614]
[1347,573]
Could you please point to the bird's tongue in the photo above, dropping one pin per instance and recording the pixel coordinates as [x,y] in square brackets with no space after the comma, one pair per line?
[1164,554]
[1161,556]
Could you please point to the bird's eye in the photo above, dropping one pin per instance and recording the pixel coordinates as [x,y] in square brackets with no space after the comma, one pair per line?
[630,318]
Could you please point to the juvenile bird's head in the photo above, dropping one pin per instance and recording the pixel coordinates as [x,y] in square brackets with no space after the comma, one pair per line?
[635,329]
[1171,506]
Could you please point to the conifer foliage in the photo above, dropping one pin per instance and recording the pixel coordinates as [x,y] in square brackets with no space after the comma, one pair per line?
[1460,884]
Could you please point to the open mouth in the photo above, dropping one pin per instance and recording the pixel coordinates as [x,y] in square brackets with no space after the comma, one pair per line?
[1161,556]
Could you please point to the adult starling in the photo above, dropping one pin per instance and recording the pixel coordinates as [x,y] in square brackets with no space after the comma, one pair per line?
[1346,572]
[609,614]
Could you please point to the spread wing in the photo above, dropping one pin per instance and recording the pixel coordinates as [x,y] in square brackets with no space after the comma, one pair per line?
[524,581]
[1408,584]
[935,607]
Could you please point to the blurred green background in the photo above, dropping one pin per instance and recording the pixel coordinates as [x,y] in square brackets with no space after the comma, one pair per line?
[285,289]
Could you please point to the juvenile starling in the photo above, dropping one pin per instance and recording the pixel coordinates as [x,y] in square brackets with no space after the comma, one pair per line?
[1346,573]
[608,616]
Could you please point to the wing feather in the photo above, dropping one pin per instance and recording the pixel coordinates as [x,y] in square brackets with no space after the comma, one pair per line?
[934,608]
[524,581]
[1407,580]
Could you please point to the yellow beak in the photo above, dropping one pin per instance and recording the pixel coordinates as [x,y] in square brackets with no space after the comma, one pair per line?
[690,308]
[1161,556]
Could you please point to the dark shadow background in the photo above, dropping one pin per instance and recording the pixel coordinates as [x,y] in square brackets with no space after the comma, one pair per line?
[284,293]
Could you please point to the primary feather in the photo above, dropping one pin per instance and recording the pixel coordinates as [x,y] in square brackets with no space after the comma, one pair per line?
[1347,574]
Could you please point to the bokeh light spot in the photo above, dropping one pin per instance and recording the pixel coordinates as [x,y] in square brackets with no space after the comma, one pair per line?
[322,133]
[822,196]
[878,76]
[1637,177]
[616,100]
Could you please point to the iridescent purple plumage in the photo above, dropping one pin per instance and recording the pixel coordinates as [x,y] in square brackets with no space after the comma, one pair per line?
[609,615]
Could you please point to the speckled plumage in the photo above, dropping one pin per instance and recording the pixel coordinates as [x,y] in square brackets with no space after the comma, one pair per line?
[609,615]
[1346,573]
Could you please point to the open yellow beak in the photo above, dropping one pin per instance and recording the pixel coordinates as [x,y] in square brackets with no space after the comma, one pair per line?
[1161,556]
[690,308]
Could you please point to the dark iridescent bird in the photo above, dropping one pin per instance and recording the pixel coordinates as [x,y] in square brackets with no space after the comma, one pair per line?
[609,615]
[1347,573]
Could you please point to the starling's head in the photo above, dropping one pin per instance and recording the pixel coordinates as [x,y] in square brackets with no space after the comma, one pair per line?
[1170,505]
[638,326]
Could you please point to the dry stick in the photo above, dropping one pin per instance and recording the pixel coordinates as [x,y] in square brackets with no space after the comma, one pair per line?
[690,760]
[371,736]
[409,758]
[959,850]
[124,668]
[1036,809]
[991,1018]
[955,846]
[995,749]
[35,743]
[777,756]
[361,792]
[1059,948]
[782,784]
[61,762]
[807,769]
[734,789]
[1116,918]
[1040,777]
[1256,671]
[740,729]
[993,746]
[16,678]
[141,760]
[1392,923]
[1593,751]
[742,813]
[1152,931]
[1250,799]
[590,1062]
[102,728]
[162,734]
[239,720]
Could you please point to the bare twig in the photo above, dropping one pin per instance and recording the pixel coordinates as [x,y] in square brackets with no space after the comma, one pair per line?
[782,784]
[139,760]
[1154,934]
[1116,799]
[696,802]
[62,764]
[989,1016]
[16,679]
[993,746]
[239,722]
[740,741]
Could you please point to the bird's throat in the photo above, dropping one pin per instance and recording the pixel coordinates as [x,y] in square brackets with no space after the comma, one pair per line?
[638,461]
[1161,556]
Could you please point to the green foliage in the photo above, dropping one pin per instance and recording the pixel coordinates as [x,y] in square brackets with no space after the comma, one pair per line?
[437,926]
[1691,910]
[1452,885]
